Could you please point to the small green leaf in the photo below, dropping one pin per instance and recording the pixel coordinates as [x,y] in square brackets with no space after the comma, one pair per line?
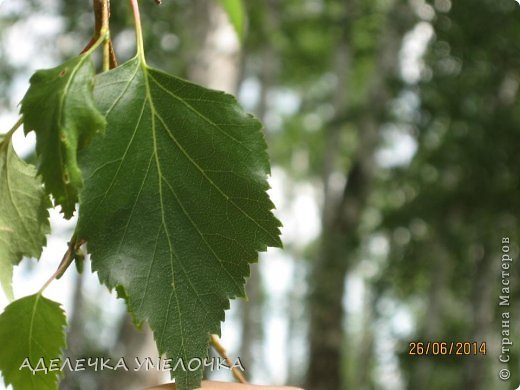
[59,107]
[31,328]
[24,220]
[175,205]
[237,15]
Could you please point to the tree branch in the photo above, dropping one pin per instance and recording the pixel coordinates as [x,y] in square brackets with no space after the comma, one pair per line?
[222,352]
[101,22]
[68,257]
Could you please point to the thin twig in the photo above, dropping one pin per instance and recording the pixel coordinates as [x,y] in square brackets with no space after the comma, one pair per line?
[104,27]
[89,44]
[14,128]
[112,55]
[98,23]
[111,51]
[68,257]
[215,341]
[101,27]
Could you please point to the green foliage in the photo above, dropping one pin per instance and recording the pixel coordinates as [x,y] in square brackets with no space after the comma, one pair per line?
[31,328]
[173,202]
[236,13]
[174,206]
[59,108]
[23,213]
[459,196]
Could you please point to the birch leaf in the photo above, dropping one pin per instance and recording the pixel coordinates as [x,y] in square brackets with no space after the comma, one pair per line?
[59,107]
[24,220]
[32,330]
[175,205]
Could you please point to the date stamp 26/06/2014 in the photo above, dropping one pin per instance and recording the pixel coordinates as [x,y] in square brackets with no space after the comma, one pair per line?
[447,348]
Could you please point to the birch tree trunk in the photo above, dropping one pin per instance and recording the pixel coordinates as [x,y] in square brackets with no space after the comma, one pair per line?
[217,63]
[482,309]
[341,217]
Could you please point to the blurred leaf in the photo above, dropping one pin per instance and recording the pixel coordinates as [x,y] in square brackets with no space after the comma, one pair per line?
[237,15]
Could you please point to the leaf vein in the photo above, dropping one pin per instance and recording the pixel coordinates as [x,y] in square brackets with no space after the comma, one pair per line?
[203,173]
[205,118]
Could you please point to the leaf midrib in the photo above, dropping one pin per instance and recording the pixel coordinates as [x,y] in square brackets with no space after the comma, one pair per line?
[161,177]
[163,222]
[66,187]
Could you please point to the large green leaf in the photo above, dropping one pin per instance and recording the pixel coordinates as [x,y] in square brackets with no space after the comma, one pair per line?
[237,15]
[24,219]
[32,334]
[175,206]
[59,107]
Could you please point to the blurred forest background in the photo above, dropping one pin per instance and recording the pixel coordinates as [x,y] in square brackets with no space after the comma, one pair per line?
[393,129]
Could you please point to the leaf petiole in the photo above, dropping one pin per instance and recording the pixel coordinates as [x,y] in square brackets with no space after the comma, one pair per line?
[138,31]
[10,133]
[68,257]
[107,45]
[102,34]
[101,39]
